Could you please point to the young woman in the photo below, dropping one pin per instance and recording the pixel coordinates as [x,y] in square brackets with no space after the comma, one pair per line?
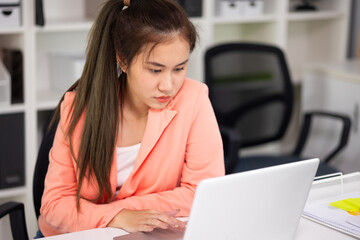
[135,135]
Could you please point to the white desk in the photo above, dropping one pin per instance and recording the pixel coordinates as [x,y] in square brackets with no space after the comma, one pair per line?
[307,230]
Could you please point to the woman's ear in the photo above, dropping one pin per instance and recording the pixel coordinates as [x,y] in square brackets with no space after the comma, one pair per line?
[121,64]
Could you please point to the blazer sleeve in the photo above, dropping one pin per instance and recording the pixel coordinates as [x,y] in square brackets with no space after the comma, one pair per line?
[58,206]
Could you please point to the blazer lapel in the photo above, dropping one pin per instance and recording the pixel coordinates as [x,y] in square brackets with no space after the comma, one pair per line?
[158,120]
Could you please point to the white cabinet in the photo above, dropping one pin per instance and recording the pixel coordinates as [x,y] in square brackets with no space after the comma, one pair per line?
[306,37]
[335,87]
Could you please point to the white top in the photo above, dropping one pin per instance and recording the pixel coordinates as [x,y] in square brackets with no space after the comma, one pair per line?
[126,157]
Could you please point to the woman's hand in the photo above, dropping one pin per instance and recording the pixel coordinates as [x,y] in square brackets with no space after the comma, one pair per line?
[145,220]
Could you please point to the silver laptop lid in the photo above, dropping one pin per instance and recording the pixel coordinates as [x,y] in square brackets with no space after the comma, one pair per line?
[260,204]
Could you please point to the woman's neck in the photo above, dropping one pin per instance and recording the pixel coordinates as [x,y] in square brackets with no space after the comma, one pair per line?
[132,127]
[134,109]
[133,113]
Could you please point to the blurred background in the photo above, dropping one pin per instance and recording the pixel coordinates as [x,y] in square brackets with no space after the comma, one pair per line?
[42,52]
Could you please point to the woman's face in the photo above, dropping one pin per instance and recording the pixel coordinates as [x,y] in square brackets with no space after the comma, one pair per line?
[154,79]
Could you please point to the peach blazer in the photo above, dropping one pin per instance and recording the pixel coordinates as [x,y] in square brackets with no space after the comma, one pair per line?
[181,146]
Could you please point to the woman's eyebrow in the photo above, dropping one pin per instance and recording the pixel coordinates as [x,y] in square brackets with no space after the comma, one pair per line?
[162,65]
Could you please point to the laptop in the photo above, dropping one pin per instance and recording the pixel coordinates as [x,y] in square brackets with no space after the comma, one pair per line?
[261,204]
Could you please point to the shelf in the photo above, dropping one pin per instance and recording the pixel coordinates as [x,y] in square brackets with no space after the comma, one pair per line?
[323,15]
[47,99]
[245,19]
[14,30]
[65,25]
[80,24]
[12,192]
[13,108]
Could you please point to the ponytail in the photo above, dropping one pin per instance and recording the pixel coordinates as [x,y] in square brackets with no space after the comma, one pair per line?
[97,90]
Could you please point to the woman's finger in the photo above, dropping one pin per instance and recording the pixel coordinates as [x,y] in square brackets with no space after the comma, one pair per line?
[170,220]
[145,228]
[156,223]
[173,212]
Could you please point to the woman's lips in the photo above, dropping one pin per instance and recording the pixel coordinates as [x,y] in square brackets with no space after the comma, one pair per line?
[163,99]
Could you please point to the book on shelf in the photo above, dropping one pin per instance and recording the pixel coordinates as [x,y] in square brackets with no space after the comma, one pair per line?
[39,13]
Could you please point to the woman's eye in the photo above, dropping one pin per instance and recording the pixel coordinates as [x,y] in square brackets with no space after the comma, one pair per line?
[155,70]
[179,69]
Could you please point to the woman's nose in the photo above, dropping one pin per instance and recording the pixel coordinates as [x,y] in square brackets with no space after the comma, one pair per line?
[165,84]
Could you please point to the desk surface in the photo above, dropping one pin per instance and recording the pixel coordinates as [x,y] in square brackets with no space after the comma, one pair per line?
[307,230]
[346,70]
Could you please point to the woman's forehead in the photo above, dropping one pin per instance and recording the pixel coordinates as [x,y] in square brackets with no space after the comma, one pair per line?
[168,47]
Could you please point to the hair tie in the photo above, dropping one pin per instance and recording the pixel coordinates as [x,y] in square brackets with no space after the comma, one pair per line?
[127,3]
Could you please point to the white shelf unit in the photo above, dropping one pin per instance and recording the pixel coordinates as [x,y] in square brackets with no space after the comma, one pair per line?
[324,15]
[320,36]
[66,26]
[13,192]
[306,38]
[247,19]
[48,42]
[18,38]
[14,108]
[12,30]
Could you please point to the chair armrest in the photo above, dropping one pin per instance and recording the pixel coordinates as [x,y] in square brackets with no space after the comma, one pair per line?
[16,213]
[304,133]
[231,142]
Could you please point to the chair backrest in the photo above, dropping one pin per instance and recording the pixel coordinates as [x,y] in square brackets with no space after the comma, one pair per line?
[250,89]
[42,164]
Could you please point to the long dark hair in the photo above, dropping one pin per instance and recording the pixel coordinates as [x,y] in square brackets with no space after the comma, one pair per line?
[122,32]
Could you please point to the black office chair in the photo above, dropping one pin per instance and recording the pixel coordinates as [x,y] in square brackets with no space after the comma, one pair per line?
[15,210]
[252,95]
